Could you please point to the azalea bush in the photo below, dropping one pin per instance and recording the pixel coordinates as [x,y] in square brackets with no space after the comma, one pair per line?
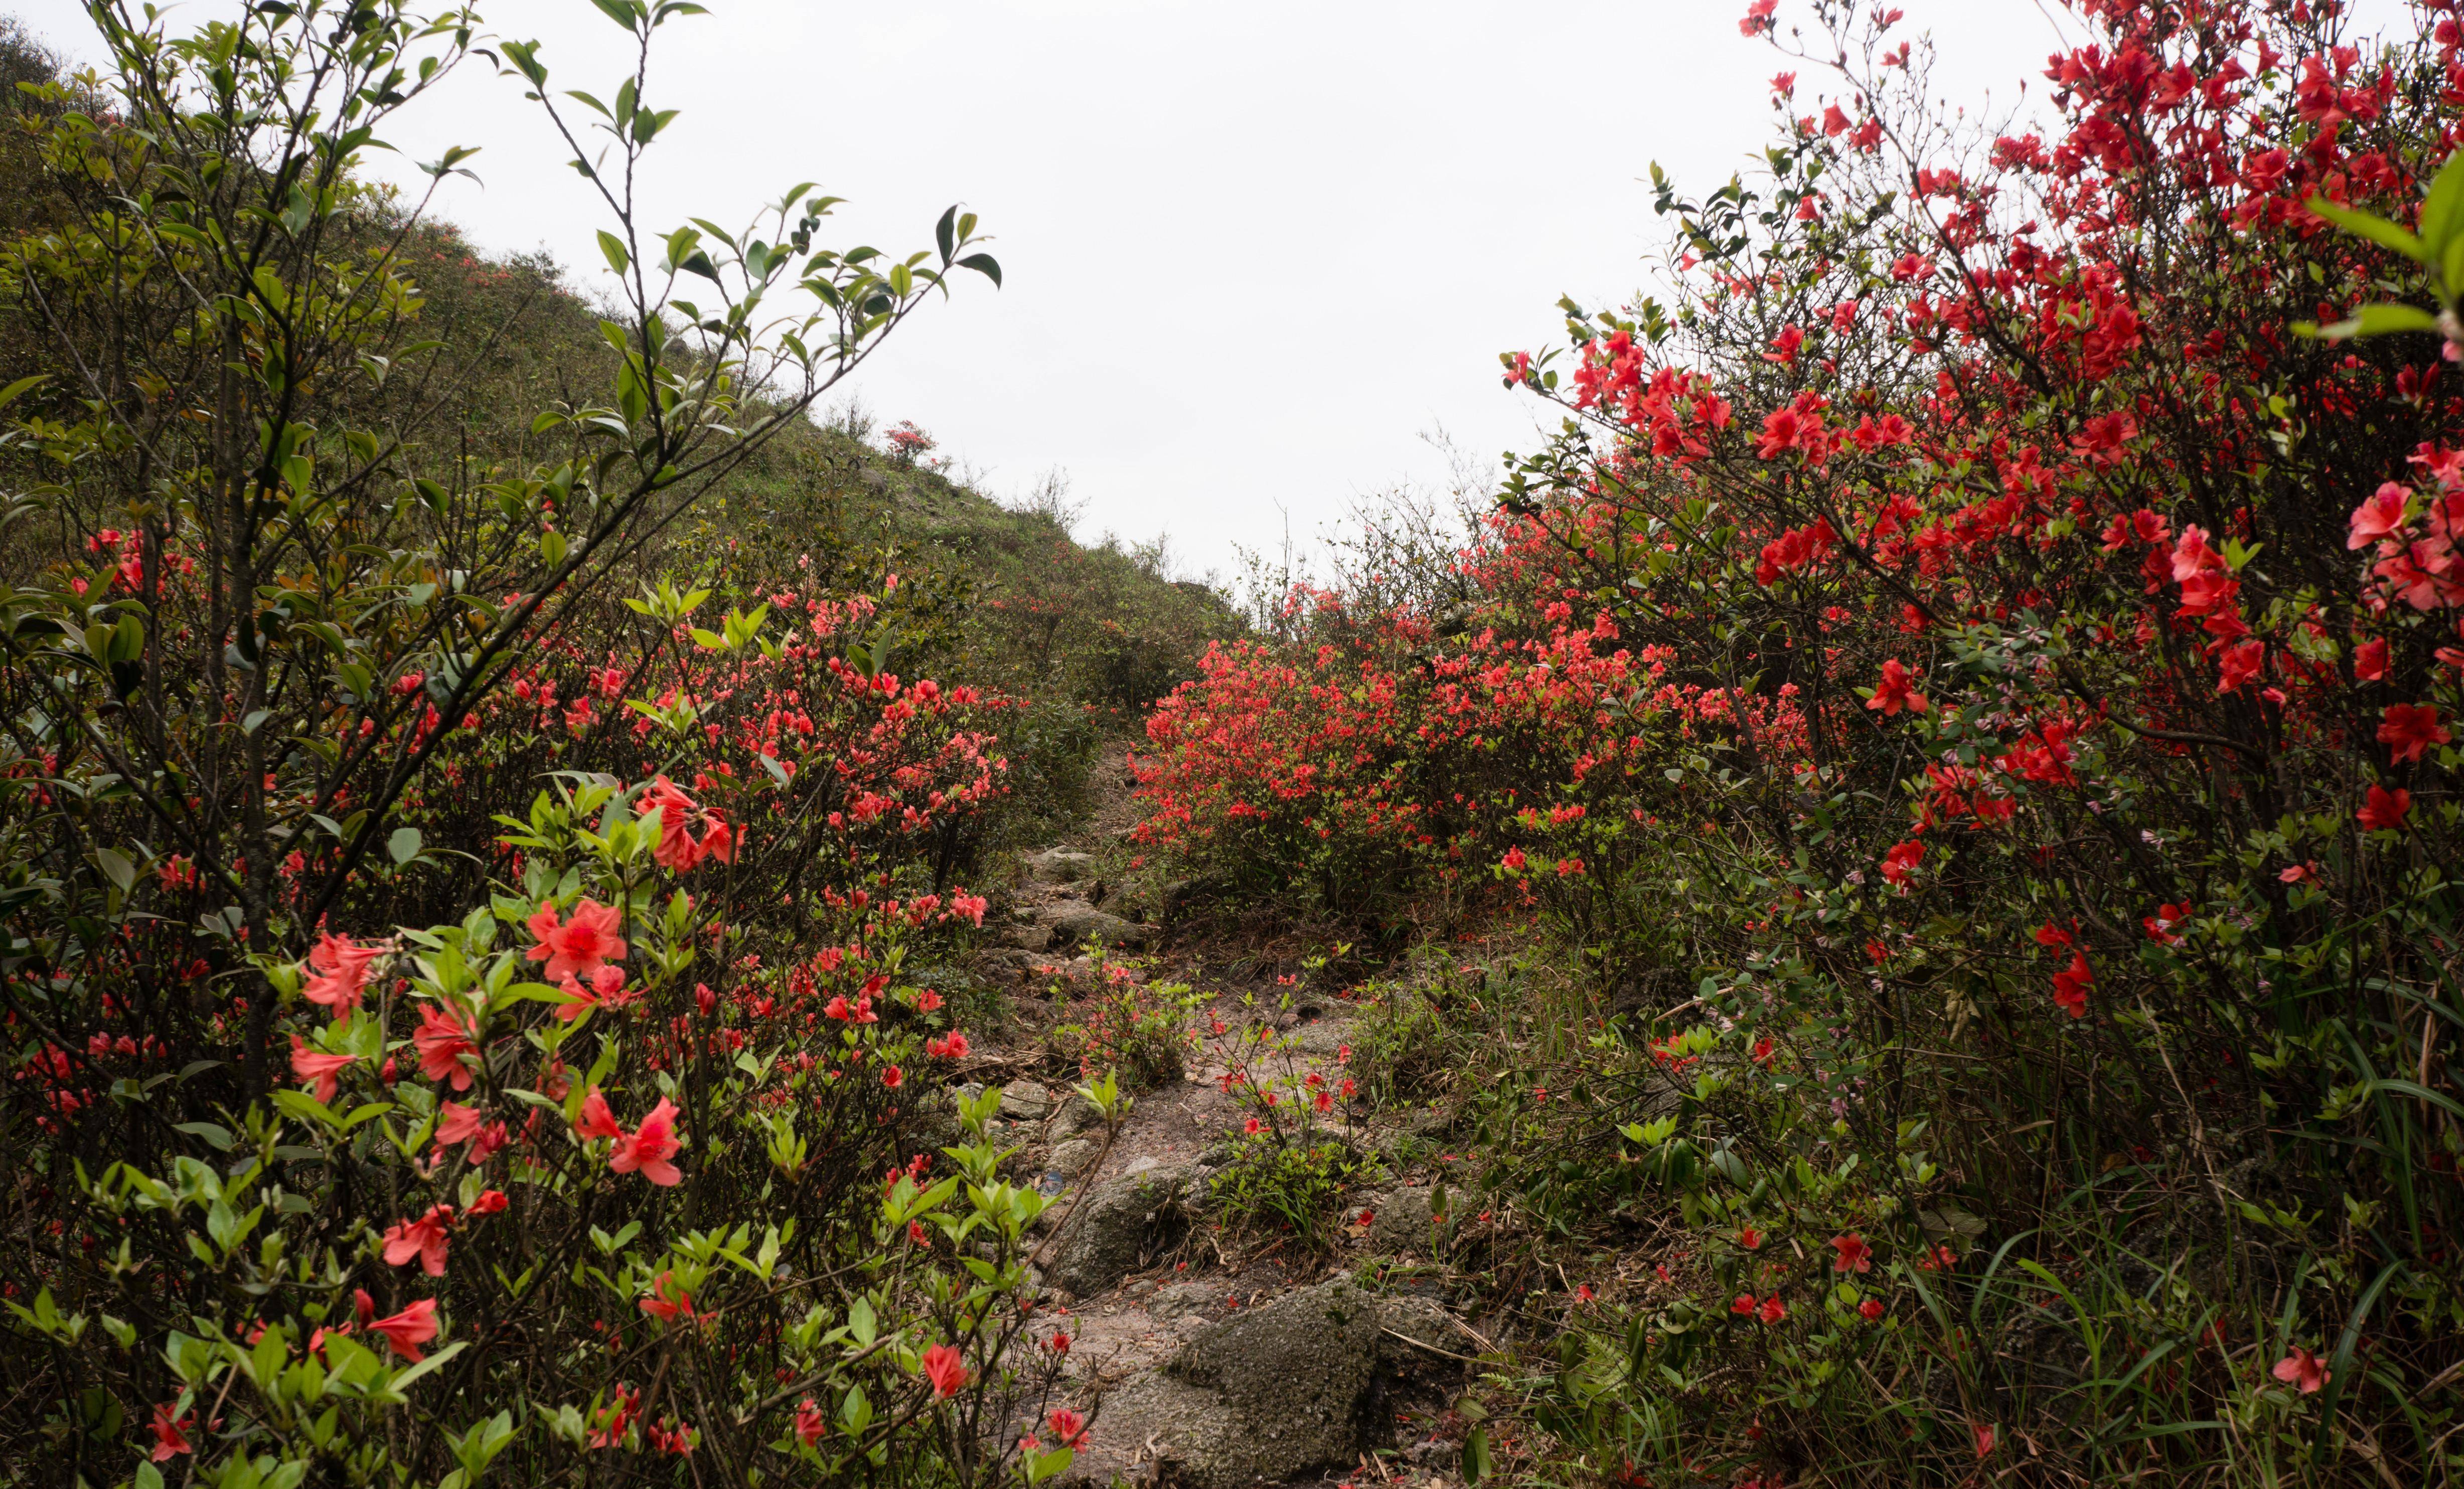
[1997,613]
[469,989]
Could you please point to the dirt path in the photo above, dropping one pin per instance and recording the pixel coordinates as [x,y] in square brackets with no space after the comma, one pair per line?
[1141,1263]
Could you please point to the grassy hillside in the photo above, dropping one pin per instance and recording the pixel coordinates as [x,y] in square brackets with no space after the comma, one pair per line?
[1002,599]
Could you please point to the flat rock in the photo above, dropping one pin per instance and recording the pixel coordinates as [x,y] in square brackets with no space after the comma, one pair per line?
[1262,1397]
[1177,1299]
[1322,1037]
[1026,1100]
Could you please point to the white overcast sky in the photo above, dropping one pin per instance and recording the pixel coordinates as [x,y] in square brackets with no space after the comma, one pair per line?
[1254,250]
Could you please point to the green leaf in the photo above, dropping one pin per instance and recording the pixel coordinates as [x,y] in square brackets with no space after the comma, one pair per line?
[304,1107]
[2378,230]
[983,264]
[613,246]
[115,868]
[2442,206]
[2378,319]
[616,11]
[945,233]
[2418,1092]
[218,1137]
[2381,320]
[404,846]
[402,1381]
[17,389]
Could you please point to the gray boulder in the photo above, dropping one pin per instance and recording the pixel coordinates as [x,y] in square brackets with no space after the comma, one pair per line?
[1400,1221]
[1177,1300]
[1305,1382]
[1071,924]
[1119,1223]
[1070,1159]
[1062,865]
[1075,1115]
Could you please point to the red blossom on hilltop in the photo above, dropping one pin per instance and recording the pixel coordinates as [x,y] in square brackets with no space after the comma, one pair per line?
[649,1147]
[577,946]
[424,1239]
[2408,729]
[405,1331]
[1895,690]
[946,1369]
[341,970]
[442,1041]
[2071,985]
[2385,810]
[321,1070]
[2304,1371]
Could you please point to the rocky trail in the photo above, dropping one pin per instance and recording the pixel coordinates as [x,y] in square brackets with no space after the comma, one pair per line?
[1212,1355]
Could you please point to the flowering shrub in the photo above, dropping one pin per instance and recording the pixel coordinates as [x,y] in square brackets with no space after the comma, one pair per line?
[462,1023]
[1989,640]
[1128,1027]
[1296,1150]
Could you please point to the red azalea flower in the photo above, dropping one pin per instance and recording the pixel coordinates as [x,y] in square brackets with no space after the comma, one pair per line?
[1854,1255]
[606,985]
[2071,985]
[597,1120]
[676,849]
[2385,810]
[946,1369]
[810,1424]
[405,1331]
[649,1147]
[170,1433]
[2377,517]
[341,971]
[1894,692]
[324,1069]
[424,1237]
[442,1042]
[1773,1309]
[576,946]
[2302,1369]
[668,1303]
[2411,727]
[1067,1426]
